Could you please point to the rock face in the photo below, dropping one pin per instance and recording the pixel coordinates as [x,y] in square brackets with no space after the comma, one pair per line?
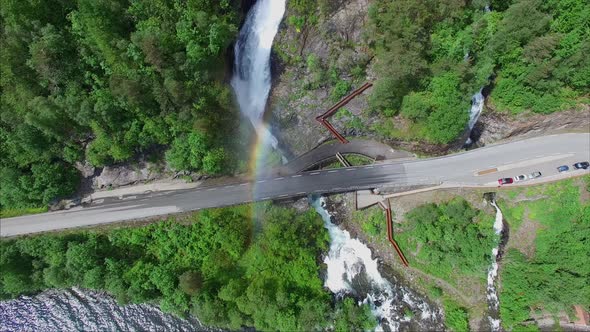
[116,176]
[303,90]
[494,126]
[86,170]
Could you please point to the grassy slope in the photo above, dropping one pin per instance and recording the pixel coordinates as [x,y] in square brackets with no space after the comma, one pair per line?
[545,269]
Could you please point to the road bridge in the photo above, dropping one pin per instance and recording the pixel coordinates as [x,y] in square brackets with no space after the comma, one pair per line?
[542,154]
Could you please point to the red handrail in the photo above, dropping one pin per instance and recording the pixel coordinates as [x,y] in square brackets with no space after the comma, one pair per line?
[333,130]
[322,118]
[344,101]
[387,209]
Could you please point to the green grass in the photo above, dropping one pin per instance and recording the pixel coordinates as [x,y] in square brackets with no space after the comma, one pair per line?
[454,238]
[9,213]
[456,317]
[372,221]
[353,159]
[558,275]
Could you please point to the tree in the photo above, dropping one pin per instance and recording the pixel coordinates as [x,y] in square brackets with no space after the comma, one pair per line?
[349,317]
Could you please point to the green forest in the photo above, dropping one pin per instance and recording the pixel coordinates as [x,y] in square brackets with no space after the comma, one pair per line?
[220,265]
[556,275]
[452,241]
[109,81]
[432,56]
[447,238]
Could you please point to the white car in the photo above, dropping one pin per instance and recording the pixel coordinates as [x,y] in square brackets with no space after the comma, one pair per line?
[535,175]
[519,178]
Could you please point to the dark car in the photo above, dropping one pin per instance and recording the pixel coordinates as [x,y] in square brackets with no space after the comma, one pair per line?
[563,168]
[582,165]
[505,181]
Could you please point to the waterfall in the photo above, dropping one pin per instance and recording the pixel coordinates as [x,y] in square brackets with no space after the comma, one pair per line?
[351,270]
[492,294]
[252,78]
[477,102]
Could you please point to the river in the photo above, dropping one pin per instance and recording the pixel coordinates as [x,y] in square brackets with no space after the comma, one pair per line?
[83,310]
[352,270]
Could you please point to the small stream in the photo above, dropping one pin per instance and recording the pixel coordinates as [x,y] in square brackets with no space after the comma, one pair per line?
[477,102]
[491,291]
[351,270]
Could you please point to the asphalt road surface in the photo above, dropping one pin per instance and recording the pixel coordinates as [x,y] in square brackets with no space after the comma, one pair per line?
[542,154]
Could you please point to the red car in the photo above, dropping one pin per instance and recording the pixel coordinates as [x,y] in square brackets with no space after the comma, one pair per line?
[505,181]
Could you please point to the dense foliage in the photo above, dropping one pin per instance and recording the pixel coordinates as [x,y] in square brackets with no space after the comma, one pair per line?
[432,56]
[216,265]
[451,241]
[447,238]
[107,80]
[557,276]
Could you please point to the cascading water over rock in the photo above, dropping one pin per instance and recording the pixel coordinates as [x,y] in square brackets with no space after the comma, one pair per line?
[352,271]
[492,294]
[477,102]
[252,77]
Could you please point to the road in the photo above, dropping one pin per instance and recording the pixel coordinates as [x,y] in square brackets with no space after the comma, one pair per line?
[542,154]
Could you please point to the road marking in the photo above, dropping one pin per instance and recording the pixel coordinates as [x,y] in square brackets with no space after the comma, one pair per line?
[535,161]
[130,197]
[285,195]
[333,171]
[261,181]
[230,186]
[211,189]
[316,173]
[296,176]
[244,184]
[368,167]
[350,169]
[265,198]
[277,179]
[486,171]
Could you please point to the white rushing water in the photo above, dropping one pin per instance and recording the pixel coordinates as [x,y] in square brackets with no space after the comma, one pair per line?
[477,102]
[492,294]
[351,270]
[252,77]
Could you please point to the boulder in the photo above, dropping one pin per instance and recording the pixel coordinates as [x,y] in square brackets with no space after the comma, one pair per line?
[116,176]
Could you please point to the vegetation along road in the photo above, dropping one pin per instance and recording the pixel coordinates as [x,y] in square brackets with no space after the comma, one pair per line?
[542,154]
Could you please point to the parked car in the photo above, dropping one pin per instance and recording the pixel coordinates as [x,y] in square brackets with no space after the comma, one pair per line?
[521,177]
[563,168]
[505,181]
[535,175]
[582,165]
